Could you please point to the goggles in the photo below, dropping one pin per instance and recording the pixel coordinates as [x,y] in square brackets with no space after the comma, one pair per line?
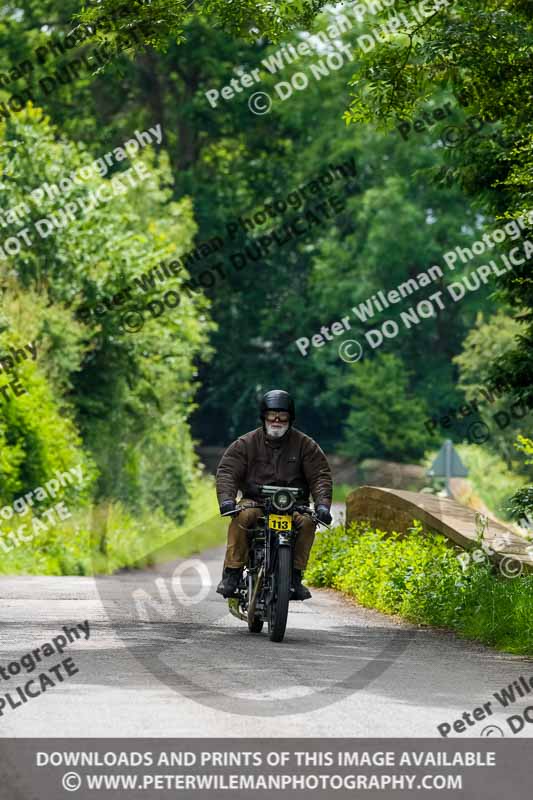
[277,416]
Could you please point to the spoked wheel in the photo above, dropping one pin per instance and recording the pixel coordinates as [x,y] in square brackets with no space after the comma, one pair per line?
[279,607]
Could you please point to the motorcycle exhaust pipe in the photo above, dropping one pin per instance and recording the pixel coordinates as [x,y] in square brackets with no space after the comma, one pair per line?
[253,599]
[233,605]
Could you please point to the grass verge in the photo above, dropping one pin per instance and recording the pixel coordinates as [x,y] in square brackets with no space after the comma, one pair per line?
[418,576]
[102,539]
[341,492]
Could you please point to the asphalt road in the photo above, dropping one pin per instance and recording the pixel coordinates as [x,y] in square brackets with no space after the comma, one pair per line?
[194,670]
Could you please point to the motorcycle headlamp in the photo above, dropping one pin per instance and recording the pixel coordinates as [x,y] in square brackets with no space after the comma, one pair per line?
[282,500]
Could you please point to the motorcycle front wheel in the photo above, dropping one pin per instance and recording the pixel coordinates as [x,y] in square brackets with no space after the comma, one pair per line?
[279,607]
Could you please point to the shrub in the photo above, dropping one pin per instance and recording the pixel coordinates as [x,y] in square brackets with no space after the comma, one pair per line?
[103,538]
[418,576]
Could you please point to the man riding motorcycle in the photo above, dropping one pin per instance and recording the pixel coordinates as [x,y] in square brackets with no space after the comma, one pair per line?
[274,454]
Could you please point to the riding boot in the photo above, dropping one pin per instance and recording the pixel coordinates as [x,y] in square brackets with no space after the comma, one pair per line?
[231,578]
[300,592]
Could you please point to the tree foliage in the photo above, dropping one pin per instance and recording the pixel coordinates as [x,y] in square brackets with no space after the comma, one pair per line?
[100,381]
[155,22]
[481,51]
[385,417]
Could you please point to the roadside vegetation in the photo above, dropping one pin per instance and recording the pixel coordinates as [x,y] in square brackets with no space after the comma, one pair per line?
[341,492]
[103,538]
[418,576]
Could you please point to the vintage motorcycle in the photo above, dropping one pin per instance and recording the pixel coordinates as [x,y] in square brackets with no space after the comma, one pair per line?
[265,589]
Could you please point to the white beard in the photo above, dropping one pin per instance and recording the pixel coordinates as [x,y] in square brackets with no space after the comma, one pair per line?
[276,433]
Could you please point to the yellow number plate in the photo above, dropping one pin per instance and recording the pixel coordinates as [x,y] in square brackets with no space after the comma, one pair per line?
[280,522]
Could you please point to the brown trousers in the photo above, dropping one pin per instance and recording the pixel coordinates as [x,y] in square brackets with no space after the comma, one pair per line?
[237,547]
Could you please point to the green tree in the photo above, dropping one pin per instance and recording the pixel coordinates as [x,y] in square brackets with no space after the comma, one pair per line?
[121,389]
[38,434]
[385,417]
[481,52]
[486,343]
[157,21]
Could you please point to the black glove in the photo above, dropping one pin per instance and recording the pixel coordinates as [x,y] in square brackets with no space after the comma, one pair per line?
[323,514]
[227,505]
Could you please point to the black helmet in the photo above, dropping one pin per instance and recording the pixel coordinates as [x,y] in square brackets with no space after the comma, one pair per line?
[277,400]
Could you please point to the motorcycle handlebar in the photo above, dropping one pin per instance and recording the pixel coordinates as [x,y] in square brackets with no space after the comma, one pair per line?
[299,509]
[307,510]
[232,513]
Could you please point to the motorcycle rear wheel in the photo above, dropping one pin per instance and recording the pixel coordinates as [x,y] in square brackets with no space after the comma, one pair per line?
[279,607]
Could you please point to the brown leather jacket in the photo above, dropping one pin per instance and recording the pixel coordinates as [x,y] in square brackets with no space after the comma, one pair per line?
[296,460]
